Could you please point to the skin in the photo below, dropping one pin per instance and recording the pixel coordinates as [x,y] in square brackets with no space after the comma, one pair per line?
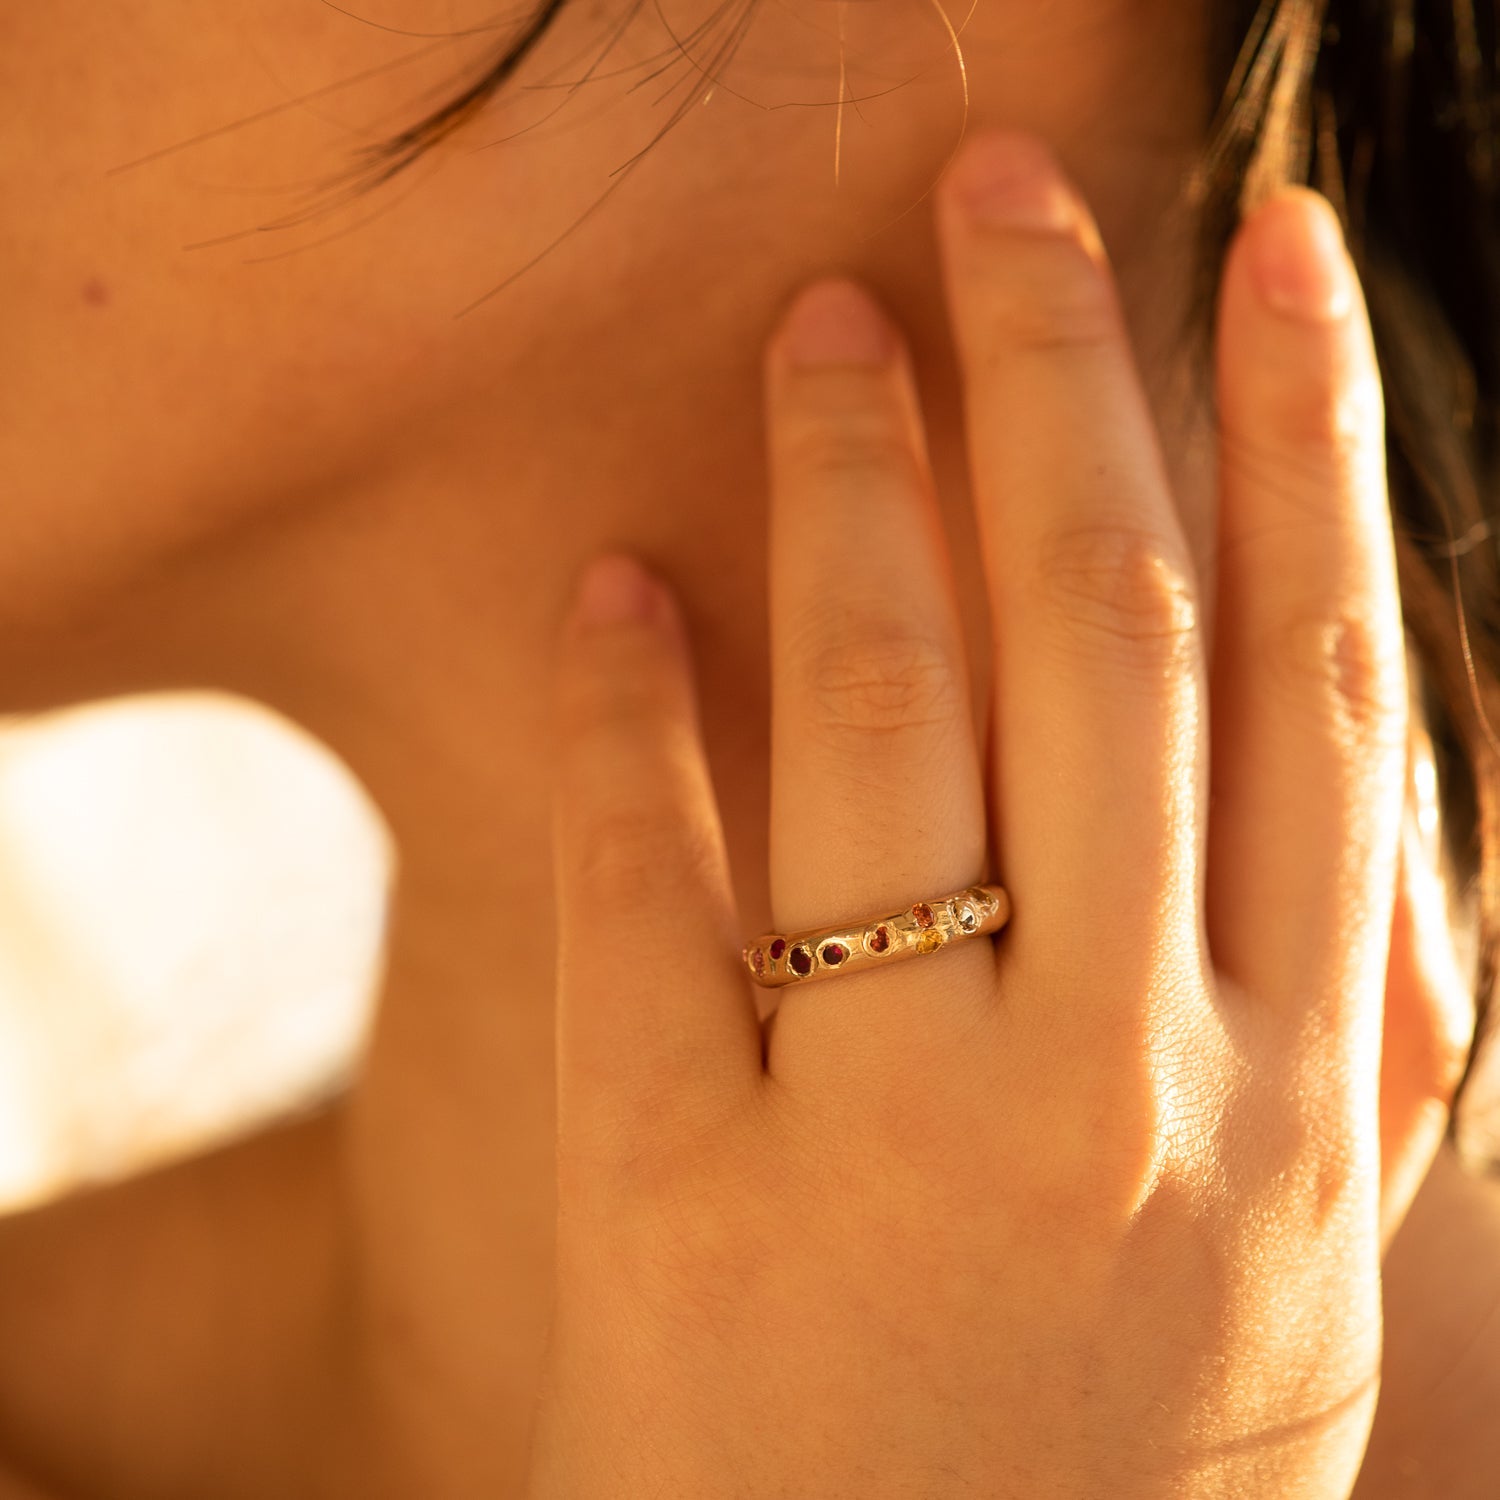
[303,479]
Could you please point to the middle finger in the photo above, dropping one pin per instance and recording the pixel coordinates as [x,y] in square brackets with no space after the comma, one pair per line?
[1101,763]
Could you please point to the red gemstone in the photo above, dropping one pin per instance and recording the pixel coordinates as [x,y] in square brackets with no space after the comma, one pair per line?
[878,941]
[923,913]
[777,949]
[833,954]
[758,961]
[801,961]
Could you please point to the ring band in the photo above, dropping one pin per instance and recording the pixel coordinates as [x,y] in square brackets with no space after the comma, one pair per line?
[775,959]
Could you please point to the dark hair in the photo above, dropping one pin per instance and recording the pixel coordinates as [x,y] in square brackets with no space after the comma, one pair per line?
[1391,109]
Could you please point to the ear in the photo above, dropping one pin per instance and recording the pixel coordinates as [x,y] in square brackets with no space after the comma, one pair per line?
[1429,1000]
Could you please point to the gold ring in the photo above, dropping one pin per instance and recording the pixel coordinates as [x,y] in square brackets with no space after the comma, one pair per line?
[775,959]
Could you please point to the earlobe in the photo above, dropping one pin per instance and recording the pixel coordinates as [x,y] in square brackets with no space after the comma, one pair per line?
[1429,1002]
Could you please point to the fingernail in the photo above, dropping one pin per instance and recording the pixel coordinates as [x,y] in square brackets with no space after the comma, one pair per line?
[1300,265]
[615,589]
[1010,179]
[837,323]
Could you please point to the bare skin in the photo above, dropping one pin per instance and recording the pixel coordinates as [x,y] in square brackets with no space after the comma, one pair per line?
[304,480]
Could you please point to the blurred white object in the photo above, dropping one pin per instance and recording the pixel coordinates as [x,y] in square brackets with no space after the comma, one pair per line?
[192,906]
[192,903]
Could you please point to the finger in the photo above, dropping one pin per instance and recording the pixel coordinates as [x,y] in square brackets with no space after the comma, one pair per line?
[656,1024]
[877,796]
[1310,692]
[1429,1002]
[1100,701]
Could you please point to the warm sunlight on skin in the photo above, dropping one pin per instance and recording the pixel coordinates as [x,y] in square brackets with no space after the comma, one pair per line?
[288,476]
[350,466]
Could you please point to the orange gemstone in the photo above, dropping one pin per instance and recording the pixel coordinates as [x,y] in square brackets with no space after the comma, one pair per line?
[879,940]
[930,940]
[923,913]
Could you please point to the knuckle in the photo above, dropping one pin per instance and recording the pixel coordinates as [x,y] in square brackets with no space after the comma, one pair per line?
[1302,476]
[850,451]
[813,396]
[1327,409]
[1118,1160]
[1344,669]
[865,676]
[1053,300]
[653,1143]
[1120,1132]
[1336,1180]
[621,691]
[1311,1155]
[645,846]
[1121,591]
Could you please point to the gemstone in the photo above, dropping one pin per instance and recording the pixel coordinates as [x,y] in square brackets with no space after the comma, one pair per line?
[968,918]
[923,913]
[833,954]
[758,962]
[878,940]
[777,949]
[801,961]
[982,899]
[930,940]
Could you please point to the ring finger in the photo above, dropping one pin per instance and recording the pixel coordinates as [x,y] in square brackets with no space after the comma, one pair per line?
[877,793]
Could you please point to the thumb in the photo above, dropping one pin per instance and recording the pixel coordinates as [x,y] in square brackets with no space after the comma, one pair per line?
[1429,1003]
[657,1032]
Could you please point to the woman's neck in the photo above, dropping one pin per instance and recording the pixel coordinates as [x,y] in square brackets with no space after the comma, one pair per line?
[404,607]
[407,615]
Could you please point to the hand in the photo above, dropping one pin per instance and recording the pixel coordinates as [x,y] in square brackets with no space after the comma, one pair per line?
[1093,1208]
